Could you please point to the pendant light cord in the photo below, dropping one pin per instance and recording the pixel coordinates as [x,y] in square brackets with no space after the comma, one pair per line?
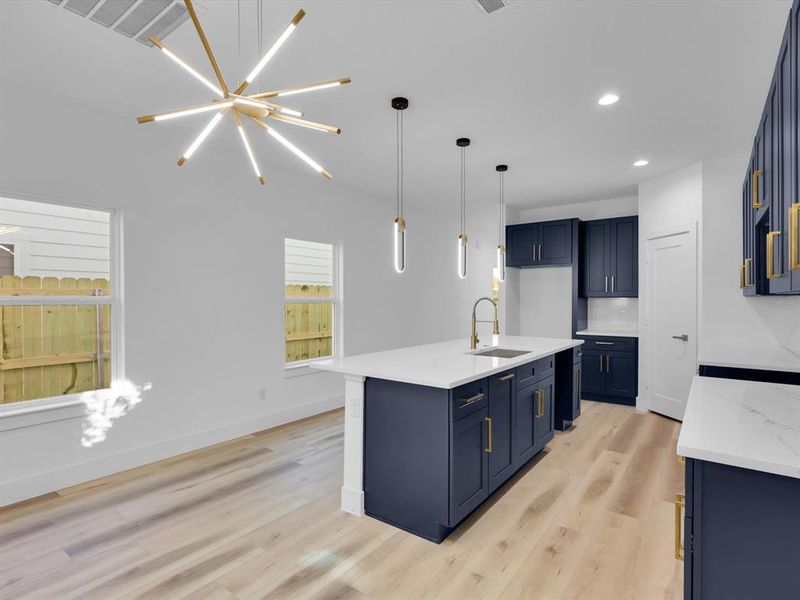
[463,222]
[399,163]
[260,15]
[501,212]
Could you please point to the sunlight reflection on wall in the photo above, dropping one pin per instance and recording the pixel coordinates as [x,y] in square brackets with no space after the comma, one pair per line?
[103,407]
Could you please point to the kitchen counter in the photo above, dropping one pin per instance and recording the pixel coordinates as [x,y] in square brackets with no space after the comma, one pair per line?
[609,332]
[446,364]
[745,424]
[742,356]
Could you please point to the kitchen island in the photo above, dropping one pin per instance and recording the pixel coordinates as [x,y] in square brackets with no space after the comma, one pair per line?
[431,431]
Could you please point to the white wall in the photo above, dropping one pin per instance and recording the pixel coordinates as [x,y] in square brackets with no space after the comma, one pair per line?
[56,241]
[672,200]
[761,326]
[597,209]
[209,334]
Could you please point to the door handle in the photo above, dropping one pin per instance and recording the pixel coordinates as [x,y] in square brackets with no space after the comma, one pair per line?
[683,337]
[771,274]
[794,236]
[756,176]
[680,504]
[606,284]
[601,363]
[604,343]
[741,276]
[540,252]
[471,399]
[612,284]
[608,363]
[489,428]
[506,377]
[747,270]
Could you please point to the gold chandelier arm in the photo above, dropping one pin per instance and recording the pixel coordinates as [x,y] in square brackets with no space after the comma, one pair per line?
[186,66]
[204,40]
[185,112]
[200,138]
[302,88]
[271,52]
[294,149]
[247,146]
[305,123]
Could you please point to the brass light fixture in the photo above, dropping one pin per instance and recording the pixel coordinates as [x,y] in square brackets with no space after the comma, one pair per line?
[254,107]
[399,240]
[462,143]
[501,222]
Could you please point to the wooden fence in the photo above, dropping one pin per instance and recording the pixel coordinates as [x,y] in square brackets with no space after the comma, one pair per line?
[309,327]
[53,350]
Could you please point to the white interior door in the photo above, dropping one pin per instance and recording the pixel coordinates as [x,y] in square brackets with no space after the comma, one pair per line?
[672,320]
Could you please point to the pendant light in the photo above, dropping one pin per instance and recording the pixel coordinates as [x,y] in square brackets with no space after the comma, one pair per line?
[501,233]
[462,143]
[399,242]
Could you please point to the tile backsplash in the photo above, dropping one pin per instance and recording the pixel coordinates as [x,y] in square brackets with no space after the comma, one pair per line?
[613,313]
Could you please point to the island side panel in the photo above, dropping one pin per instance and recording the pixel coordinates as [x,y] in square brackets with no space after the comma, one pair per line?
[353,484]
[406,454]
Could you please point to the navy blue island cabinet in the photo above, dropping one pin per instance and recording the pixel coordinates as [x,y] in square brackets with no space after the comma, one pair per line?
[741,534]
[433,455]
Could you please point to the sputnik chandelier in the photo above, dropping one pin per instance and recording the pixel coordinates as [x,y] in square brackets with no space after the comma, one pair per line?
[254,107]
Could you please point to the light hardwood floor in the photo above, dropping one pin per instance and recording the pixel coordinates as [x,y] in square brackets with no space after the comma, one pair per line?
[591,517]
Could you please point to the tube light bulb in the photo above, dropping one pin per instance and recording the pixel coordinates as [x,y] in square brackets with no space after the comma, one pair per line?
[193,111]
[501,262]
[462,255]
[193,72]
[399,244]
[203,135]
[249,102]
[249,151]
[291,112]
[297,152]
[270,53]
[311,88]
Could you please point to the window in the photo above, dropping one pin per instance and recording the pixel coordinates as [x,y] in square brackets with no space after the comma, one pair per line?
[58,310]
[311,303]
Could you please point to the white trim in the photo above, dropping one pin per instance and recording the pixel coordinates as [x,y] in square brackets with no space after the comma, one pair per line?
[352,494]
[62,477]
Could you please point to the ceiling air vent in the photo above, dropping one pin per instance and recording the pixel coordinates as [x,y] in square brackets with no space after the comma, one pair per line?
[137,19]
[490,7]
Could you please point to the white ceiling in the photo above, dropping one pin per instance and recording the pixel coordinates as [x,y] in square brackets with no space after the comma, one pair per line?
[522,83]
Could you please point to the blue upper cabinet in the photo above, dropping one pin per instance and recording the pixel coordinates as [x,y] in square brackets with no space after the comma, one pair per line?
[771,191]
[539,244]
[609,265]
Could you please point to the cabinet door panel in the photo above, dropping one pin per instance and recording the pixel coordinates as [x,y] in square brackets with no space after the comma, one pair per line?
[794,127]
[501,413]
[593,373]
[555,239]
[524,409]
[520,242]
[468,465]
[543,421]
[624,256]
[595,258]
[621,374]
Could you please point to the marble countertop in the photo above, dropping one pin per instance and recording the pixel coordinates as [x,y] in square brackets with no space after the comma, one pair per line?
[609,332]
[745,424]
[446,364]
[742,356]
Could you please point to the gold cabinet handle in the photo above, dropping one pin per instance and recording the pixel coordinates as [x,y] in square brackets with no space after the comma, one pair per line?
[489,421]
[771,274]
[471,399]
[741,276]
[794,236]
[680,504]
[747,268]
[756,176]
[506,377]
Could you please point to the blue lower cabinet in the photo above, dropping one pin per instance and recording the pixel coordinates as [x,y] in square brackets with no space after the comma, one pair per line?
[609,370]
[567,400]
[741,534]
[432,456]
[500,425]
[469,464]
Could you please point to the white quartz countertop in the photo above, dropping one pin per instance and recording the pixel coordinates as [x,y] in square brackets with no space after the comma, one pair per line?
[609,332]
[745,424]
[446,364]
[742,356]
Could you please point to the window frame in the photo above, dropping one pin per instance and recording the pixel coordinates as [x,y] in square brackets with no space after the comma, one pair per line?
[26,413]
[301,367]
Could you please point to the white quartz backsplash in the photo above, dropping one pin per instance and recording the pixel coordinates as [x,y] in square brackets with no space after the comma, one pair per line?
[614,314]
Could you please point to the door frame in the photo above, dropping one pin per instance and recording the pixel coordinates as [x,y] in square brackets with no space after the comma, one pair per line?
[644,400]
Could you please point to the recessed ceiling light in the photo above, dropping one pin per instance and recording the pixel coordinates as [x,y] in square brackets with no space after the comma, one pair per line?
[641,163]
[608,99]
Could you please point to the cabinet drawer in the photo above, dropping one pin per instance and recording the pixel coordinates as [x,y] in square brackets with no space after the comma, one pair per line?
[547,366]
[468,398]
[609,343]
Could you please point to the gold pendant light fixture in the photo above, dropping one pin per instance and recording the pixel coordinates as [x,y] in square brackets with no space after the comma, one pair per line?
[399,238]
[253,107]
[462,143]
[501,222]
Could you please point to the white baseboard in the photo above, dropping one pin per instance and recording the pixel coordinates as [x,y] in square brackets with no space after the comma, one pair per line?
[353,501]
[56,479]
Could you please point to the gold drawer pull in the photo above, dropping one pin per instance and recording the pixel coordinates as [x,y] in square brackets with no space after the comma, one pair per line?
[771,274]
[794,236]
[756,176]
[741,276]
[747,268]
[506,377]
[489,421]
[471,399]
[680,504]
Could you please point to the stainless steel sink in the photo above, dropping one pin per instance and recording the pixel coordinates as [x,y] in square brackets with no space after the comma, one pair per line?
[502,353]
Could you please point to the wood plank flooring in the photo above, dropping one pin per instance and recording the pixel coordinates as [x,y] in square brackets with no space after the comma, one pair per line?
[590,518]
